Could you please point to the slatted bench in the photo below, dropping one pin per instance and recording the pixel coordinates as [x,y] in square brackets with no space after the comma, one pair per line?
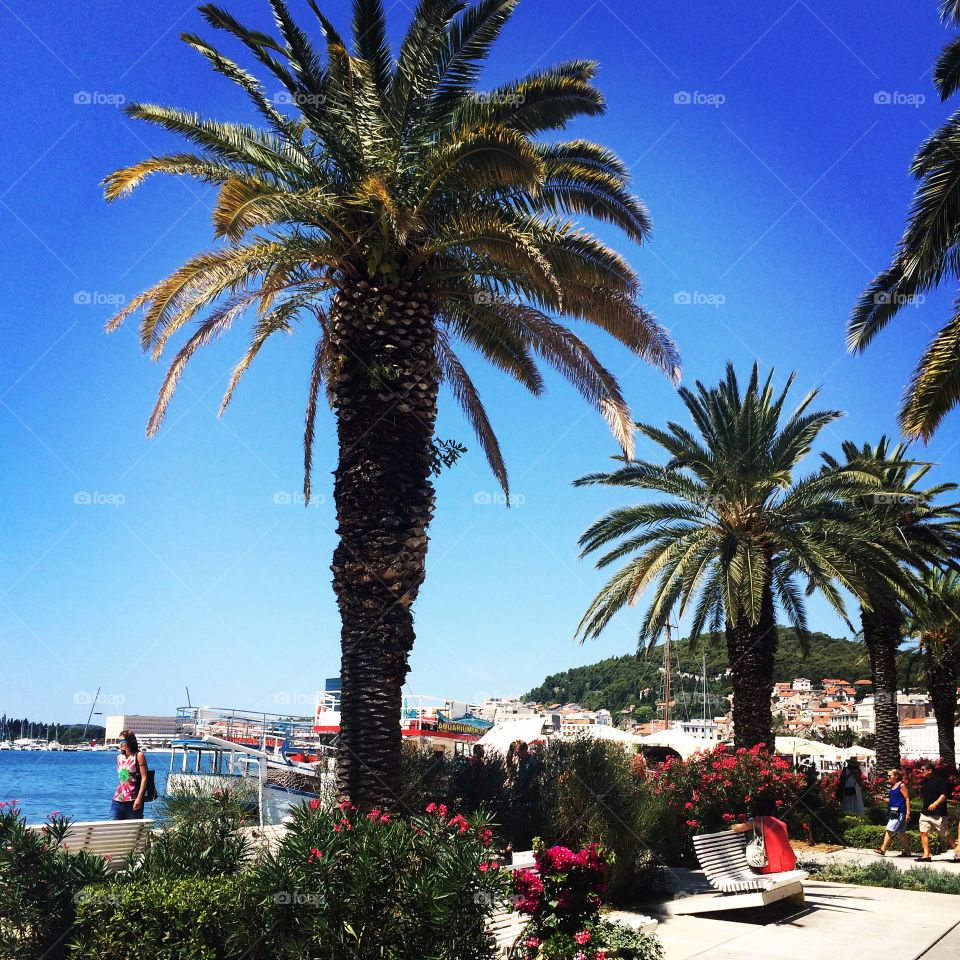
[115,840]
[723,859]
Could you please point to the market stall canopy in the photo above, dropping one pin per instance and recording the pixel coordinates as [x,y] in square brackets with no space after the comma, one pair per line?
[800,747]
[499,738]
[858,752]
[602,731]
[680,743]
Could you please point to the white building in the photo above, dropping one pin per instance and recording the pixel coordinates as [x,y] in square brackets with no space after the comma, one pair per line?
[918,739]
[845,720]
[802,684]
[148,729]
[701,729]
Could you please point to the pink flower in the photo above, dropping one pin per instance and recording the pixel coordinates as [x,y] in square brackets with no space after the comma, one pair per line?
[489,865]
[315,854]
[314,804]
[582,937]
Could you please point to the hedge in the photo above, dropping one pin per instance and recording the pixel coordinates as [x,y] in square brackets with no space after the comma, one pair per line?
[164,919]
[869,836]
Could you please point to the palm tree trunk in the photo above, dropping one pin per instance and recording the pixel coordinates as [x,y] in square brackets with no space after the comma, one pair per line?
[750,650]
[882,633]
[384,385]
[942,682]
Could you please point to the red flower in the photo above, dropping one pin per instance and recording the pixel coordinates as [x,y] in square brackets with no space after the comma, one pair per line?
[489,865]
[314,804]
[315,854]
[582,937]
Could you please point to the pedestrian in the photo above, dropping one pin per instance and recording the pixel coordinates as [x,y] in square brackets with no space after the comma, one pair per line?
[933,811]
[132,777]
[525,795]
[849,788]
[898,814]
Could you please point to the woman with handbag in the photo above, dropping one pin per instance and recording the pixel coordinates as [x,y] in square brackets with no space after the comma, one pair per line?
[769,850]
[132,779]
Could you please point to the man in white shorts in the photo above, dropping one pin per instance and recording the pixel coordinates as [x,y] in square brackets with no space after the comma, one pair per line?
[933,810]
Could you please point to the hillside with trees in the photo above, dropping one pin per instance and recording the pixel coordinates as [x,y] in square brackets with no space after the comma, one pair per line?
[618,682]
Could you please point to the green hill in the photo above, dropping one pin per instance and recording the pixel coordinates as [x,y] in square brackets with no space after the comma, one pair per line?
[617,682]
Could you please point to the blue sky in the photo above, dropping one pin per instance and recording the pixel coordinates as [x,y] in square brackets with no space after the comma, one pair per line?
[777,183]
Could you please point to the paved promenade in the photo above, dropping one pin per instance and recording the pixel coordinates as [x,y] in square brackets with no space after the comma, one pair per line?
[838,920]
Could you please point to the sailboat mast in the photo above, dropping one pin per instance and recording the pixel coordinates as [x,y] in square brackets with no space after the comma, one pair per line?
[666,679]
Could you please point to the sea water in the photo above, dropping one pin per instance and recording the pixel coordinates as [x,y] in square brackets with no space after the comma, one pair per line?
[79,785]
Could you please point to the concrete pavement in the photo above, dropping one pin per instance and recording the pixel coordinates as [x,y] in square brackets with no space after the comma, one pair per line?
[838,920]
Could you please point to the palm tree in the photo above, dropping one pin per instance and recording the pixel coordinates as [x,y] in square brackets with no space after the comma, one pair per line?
[926,254]
[935,621]
[395,210]
[905,520]
[736,535]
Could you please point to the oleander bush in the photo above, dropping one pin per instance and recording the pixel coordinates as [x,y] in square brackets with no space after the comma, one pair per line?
[199,834]
[716,788]
[347,886]
[39,883]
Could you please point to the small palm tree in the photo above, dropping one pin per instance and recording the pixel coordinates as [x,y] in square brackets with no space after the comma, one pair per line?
[394,210]
[927,253]
[906,521]
[737,536]
[935,622]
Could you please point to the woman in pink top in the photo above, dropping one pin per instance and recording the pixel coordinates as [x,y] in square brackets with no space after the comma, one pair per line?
[132,779]
[780,855]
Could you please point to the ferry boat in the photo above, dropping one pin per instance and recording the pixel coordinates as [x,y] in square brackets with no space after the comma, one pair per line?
[286,760]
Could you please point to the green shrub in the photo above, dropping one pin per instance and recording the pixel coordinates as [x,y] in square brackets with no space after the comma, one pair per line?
[167,918]
[628,944]
[865,835]
[199,835]
[344,886]
[591,795]
[882,874]
[39,880]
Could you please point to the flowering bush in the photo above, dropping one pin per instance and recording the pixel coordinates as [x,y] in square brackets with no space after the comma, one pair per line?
[713,789]
[39,883]
[562,897]
[351,885]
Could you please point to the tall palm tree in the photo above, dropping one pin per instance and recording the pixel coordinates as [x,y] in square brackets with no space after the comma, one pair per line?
[935,622]
[737,536]
[927,253]
[900,517]
[394,210]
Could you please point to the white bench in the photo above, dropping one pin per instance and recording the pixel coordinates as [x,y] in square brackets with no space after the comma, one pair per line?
[723,859]
[114,840]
